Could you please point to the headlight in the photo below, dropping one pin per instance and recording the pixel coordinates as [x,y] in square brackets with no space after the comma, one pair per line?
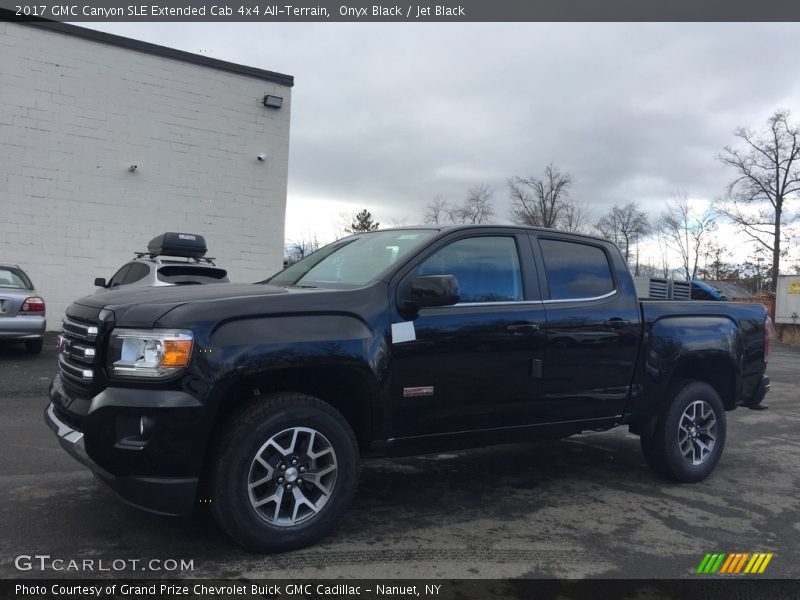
[149,352]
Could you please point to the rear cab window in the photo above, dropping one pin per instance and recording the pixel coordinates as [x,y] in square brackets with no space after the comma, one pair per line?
[576,270]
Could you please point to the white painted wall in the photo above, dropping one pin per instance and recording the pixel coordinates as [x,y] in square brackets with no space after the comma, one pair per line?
[75,114]
[787,300]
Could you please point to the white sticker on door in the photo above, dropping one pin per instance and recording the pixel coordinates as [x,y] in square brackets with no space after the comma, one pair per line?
[403,332]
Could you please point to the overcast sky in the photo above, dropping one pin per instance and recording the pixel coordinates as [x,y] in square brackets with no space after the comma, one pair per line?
[387,116]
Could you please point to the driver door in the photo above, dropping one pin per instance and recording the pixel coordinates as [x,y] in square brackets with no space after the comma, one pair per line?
[476,365]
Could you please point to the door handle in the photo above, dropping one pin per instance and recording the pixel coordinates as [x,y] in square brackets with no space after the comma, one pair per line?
[523,328]
[616,323]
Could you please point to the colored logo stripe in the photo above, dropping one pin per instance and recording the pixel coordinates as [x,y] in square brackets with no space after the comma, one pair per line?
[731,560]
[704,564]
[740,564]
[711,563]
[733,564]
[758,563]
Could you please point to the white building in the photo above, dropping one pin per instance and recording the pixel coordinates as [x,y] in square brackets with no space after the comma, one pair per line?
[79,109]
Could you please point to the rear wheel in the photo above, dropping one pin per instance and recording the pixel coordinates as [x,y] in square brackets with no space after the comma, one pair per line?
[285,471]
[34,346]
[689,434]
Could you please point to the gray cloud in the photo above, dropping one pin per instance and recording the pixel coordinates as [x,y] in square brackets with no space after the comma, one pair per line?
[387,116]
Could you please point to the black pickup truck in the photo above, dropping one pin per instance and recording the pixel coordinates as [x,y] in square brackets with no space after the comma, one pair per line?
[259,399]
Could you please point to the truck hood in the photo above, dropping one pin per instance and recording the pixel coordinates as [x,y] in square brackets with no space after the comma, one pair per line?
[144,306]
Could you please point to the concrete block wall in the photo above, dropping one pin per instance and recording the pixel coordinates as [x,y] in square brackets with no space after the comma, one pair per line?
[75,114]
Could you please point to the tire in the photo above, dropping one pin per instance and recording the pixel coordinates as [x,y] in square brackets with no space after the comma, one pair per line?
[689,434]
[256,486]
[34,346]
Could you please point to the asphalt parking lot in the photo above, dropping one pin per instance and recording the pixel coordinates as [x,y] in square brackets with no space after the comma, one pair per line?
[586,506]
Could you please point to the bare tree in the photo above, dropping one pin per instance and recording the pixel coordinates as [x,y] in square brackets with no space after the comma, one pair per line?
[651,270]
[575,218]
[685,231]
[715,267]
[768,174]
[540,202]
[477,206]
[624,225]
[663,249]
[341,224]
[302,248]
[436,210]
[398,222]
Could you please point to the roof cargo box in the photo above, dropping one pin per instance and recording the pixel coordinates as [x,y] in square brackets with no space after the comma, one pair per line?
[189,245]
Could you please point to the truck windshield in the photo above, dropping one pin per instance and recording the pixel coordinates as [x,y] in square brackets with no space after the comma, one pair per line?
[353,261]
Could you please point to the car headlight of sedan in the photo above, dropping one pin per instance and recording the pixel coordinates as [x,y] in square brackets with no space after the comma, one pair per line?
[149,352]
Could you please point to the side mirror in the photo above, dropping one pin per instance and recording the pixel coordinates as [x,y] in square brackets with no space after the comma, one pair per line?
[100,281]
[434,290]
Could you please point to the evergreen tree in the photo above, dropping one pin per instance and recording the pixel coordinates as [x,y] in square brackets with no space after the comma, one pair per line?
[362,222]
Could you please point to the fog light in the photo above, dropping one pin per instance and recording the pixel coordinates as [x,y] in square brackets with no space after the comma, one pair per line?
[146,427]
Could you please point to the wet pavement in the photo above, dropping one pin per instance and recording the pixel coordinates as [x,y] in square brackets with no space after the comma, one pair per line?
[586,506]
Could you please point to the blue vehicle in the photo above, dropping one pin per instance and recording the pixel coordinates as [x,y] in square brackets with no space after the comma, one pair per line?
[702,291]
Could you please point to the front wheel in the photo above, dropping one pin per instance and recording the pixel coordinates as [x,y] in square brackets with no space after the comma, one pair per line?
[287,467]
[689,434]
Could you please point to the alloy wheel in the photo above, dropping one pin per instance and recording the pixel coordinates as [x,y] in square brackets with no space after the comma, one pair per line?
[292,476]
[697,432]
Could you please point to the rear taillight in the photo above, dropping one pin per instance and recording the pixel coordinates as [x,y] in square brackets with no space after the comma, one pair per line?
[768,333]
[34,304]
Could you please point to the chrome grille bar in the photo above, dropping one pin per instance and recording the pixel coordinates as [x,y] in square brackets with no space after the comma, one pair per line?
[78,374]
[82,354]
[83,331]
[77,352]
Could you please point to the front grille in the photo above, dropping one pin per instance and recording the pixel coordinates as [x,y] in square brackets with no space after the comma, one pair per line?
[77,354]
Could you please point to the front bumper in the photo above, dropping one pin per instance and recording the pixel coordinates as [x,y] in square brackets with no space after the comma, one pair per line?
[70,439]
[162,495]
[159,474]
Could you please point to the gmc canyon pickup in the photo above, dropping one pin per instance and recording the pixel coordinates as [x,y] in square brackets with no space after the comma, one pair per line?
[259,399]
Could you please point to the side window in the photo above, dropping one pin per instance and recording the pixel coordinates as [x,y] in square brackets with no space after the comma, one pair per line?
[119,276]
[487,268]
[136,272]
[576,270]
